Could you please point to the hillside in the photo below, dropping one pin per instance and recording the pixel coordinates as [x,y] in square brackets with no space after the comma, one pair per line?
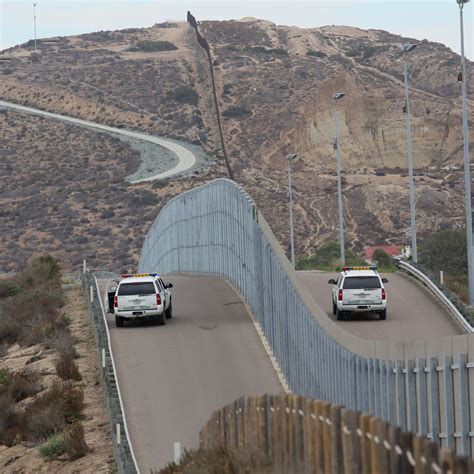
[274,86]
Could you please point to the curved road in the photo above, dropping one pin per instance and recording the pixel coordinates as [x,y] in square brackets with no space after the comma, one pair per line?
[412,313]
[206,356]
[186,158]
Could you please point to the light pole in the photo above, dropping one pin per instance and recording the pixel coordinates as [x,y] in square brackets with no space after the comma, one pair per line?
[337,96]
[289,158]
[405,49]
[467,171]
[34,21]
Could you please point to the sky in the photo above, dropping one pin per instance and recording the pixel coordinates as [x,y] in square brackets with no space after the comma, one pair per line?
[435,20]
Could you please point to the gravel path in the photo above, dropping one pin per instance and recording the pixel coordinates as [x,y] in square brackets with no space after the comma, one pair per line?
[161,157]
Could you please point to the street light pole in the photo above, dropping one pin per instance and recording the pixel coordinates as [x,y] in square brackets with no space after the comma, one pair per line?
[406,48]
[34,21]
[467,170]
[337,96]
[289,158]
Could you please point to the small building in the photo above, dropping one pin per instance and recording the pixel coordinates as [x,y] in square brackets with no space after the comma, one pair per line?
[391,250]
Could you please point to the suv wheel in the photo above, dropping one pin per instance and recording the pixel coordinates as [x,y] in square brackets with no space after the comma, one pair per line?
[334,307]
[169,311]
[339,314]
[161,319]
[383,315]
[118,321]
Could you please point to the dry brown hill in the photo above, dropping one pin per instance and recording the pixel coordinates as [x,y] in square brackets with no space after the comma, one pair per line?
[274,86]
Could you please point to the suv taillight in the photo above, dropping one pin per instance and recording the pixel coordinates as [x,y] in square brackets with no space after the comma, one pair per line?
[384,296]
[115,301]
[158,299]
[339,295]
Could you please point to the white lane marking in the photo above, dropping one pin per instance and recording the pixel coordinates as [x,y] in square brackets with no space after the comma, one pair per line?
[187,159]
[177,451]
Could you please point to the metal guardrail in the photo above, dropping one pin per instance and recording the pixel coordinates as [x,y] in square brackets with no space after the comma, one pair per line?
[426,387]
[459,319]
[124,455]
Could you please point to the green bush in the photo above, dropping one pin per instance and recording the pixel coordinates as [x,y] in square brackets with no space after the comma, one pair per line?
[235,111]
[263,50]
[316,54]
[384,261]
[327,258]
[9,288]
[184,94]
[149,46]
[53,448]
[445,250]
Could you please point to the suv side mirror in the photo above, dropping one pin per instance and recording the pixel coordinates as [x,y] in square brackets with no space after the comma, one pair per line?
[169,285]
[384,280]
[332,281]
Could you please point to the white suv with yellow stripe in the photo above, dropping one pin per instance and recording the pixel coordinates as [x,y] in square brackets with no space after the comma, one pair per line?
[359,289]
[142,296]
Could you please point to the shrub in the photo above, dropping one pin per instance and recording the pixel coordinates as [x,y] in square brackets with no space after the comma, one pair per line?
[11,421]
[316,54]
[23,384]
[74,442]
[53,448]
[67,369]
[235,111]
[384,261]
[60,340]
[184,94]
[327,257]
[40,271]
[263,50]
[149,46]
[9,288]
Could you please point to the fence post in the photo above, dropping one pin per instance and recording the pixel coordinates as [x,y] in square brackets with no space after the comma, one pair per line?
[364,426]
[336,440]
[350,442]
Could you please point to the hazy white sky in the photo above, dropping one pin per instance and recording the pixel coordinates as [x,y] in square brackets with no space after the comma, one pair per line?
[435,20]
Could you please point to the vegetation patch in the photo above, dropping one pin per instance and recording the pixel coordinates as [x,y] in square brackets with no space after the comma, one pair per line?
[327,258]
[263,50]
[184,94]
[384,261]
[149,46]
[316,54]
[237,111]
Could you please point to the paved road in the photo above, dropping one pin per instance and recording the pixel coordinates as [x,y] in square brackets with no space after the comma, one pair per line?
[173,377]
[412,314]
[186,158]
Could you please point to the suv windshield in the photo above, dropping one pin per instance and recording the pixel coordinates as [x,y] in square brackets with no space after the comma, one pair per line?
[127,289]
[360,282]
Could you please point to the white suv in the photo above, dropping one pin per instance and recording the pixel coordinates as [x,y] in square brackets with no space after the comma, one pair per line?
[142,296]
[359,289]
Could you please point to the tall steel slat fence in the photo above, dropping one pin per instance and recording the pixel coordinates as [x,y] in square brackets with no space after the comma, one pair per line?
[427,386]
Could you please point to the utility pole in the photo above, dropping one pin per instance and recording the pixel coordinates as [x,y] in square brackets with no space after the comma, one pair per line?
[34,21]
[337,96]
[467,170]
[405,49]
[289,158]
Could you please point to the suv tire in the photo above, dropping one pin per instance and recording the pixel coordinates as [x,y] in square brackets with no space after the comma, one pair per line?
[334,307]
[169,311]
[339,314]
[118,321]
[160,320]
[383,315]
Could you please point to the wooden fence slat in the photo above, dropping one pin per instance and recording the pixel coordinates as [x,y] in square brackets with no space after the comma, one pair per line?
[406,444]
[395,456]
[364,426]
[382,452]
[419,455]
[447,460]
[327,453]
[319,437]
[374,458]
[336,440]
[350,442]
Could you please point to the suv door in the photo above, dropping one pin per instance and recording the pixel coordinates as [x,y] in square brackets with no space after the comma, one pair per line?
[165,294]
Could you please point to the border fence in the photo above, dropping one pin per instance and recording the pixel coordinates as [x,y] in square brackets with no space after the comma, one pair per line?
[303,435]
[425,387]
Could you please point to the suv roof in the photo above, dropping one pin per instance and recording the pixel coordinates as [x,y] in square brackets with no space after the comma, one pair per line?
[139,277]
[359,271]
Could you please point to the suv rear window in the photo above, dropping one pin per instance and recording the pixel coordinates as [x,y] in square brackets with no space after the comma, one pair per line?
[127,289]
[359,282]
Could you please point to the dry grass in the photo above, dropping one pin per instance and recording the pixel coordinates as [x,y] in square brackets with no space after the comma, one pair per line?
[75,443]
[67,368]
[19,385]
[220,461]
